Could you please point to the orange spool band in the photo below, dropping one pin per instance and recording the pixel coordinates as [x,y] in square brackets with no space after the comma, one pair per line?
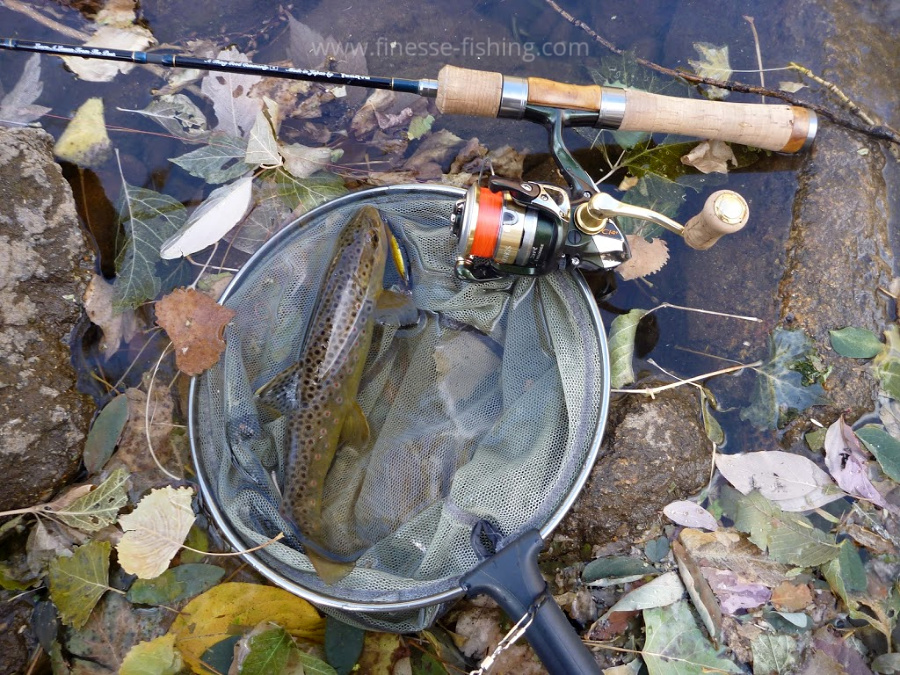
[487,226]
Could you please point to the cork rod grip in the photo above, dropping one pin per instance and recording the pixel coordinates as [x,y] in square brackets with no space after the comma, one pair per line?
[770,127]
[462,91]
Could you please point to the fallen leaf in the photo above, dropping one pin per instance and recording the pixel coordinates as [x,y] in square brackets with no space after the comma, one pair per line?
[224,208]
[262,149]
[419,126]
[195,323]
[212,617]
[98,508]
[105,433]
[661,591]
[437,149]
[793,482]
[18,106]
[235,110]
[622,332]
[155,657]
[175,584]
[78,581]
[129,38]
[618,570]
[699,591]
[46,542]
[265,649]
[782,390]
[710,157]
[647,257]
[343,644]
[856,343]
[676,646]
[848,464]
[117,325]
[85,142]
[884,446]
[774,654]
[846,574]
[791,87]
[887,364]
[886,664]
[155,531]
[220,161]
[713,63]
[788,597]
[728,550]
[733,593]
[178,115]
[302,162]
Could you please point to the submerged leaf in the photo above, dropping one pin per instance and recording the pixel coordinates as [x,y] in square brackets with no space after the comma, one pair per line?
[154,531]
[175,585]
[85,141]
[221,211]
[846,574]
[195,323]
[710,157]
[690,514]
[791,481]
[713,63]
[262,149]
[149,219]
[781,390]
[887,363]
[622,332]
[303,162]
[18,106]
[847,463]
[885,447]
[343,644]
[229,92]
[619,569]
[104,434]
[221,161]
[77,582]
[647,257]
[99,507]
[857,343]
[129,38]
[774,654]
[676,646]
[178,115]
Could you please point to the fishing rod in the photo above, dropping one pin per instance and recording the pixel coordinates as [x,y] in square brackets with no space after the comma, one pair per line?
[464,91]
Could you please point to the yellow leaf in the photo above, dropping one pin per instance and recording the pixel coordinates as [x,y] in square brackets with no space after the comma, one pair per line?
[154,657]
[217,614]
[155,531]
[85,142]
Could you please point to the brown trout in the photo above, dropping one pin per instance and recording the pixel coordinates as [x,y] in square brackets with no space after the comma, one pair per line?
[318,393]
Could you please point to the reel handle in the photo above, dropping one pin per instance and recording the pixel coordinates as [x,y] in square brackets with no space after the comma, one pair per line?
[725,212]
[781,128]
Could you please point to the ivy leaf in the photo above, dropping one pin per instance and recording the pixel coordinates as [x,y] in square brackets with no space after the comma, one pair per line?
[155,531]
[175,585]
[675,645]
[99,507]
[885,447]
[77,582]
[774,654]
[781,389]
[887,363]
[789,537]
[154,657]
[793,482]
[221,161]
[149,219]
[856,343]
[622,332]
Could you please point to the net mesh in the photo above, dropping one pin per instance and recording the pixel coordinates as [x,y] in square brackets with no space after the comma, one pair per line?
[485,410]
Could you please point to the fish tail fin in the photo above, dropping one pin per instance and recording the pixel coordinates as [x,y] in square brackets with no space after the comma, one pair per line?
[329,571]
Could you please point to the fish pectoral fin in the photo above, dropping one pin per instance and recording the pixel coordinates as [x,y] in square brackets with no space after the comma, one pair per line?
[394,308]
[329,571]
[355,430]
[280,393]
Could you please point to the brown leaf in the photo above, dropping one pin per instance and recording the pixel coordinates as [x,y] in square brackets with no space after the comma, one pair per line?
[726,549]
[438,148]
[647,257]
[710,157]
[116,326]
[787,597]
[195,324]
[702,596]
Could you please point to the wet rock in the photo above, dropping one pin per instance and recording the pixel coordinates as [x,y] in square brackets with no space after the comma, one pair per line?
[43,420]
[655,451]
[16,639]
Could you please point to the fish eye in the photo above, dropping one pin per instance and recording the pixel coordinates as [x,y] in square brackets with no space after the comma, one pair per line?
[374,235]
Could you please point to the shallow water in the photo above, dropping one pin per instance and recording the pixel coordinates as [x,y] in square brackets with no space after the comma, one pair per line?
[414,39]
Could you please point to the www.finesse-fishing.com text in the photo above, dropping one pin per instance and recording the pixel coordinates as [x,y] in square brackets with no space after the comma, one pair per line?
[526,51]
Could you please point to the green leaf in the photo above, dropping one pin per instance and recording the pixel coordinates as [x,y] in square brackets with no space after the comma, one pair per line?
[308,192]
[887,664]
[219,657]
[711,426]
[221,161]
[773,654]
[419,126]
[622,332]
[780,391]
[77,582]
[312,665]
[887,363]
[99,507]
[789,537]
[856,343]
[197,539]
[268,652]
[175,584]
[105,432]
[149,218]
[655,192]
[885,447]
[846,574]
[343,644]
[155,657]
[657,549]
[615,568]
[675,644]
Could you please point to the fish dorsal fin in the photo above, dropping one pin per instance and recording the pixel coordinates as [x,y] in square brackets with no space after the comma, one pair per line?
[355,430]
[280,393]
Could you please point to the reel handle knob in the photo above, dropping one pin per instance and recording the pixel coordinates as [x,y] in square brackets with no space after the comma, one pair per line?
[725,212]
